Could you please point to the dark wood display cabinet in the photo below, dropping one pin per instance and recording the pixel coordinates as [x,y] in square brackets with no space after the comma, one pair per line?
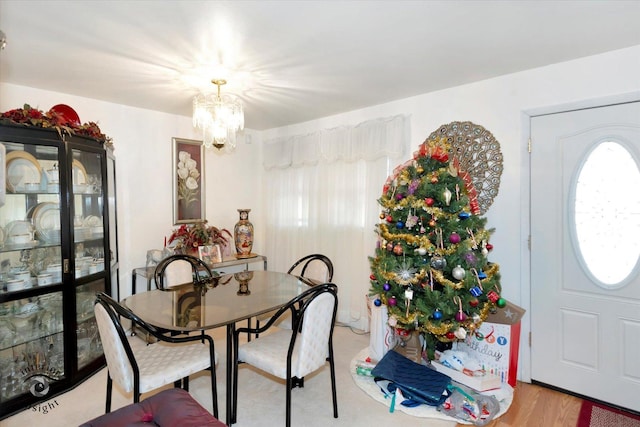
[58,247]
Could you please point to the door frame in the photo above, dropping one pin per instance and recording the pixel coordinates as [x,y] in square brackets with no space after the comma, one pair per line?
[524,366]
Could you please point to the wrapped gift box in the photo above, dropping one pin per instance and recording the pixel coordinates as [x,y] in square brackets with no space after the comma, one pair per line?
[478,383]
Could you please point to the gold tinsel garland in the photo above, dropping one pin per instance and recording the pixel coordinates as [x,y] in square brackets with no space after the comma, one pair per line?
[470,325]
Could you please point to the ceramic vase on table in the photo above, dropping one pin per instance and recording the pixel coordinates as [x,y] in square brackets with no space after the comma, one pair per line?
[243,235]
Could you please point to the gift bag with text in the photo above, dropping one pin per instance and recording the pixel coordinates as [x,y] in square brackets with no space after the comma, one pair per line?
[496,346]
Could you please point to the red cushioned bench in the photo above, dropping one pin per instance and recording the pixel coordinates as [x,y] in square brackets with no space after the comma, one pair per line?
[169,408]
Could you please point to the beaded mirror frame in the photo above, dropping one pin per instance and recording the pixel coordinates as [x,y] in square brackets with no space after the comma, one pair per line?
[478,153]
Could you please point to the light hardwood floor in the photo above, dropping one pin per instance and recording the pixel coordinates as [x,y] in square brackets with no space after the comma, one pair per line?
[535,406]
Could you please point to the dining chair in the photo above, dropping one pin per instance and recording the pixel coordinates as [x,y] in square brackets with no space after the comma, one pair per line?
[313,268]
[179,269]
[293,354]
[140,368]
[316,267]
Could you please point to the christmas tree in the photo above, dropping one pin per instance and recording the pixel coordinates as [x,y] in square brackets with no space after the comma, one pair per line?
[430,267]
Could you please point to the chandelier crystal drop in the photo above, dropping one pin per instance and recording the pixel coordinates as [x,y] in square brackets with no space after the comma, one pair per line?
[218,117]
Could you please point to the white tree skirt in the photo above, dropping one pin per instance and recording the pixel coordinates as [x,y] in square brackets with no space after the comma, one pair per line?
[504,395]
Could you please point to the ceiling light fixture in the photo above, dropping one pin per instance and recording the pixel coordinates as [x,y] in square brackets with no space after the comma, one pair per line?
[219,118]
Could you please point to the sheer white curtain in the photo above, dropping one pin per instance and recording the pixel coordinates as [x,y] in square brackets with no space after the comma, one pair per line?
[321,193]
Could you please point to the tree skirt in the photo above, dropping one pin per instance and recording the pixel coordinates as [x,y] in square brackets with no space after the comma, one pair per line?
[504,395]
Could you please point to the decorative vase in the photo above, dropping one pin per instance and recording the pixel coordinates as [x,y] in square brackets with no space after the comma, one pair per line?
[243,235]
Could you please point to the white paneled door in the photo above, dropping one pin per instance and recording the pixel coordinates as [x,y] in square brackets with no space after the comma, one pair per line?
[585,251]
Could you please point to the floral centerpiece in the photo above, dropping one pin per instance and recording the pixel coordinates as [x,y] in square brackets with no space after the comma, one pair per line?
[52,119]
[188,237]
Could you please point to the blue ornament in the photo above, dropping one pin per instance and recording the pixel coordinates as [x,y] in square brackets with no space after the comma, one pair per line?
[399,224]
[464,215]
[437,315]
[482,275]
[476,291]
[386,287]
[377,302]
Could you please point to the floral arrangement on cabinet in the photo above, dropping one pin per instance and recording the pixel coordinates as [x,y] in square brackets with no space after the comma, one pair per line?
[188,237]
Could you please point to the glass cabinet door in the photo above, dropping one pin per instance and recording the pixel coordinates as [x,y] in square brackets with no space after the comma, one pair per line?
[31,318]
[88,213]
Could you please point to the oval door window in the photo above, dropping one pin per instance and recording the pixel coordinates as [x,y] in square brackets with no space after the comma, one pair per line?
[607,214]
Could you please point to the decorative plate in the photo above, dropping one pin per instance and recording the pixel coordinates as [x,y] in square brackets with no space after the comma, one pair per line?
[79,172]
[46,219]
[67,113]
[22,168]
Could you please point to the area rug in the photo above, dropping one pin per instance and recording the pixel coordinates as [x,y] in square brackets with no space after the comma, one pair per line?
[366,384]
[596,415]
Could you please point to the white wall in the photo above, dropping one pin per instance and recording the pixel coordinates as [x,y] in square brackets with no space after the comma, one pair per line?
[142,140]
[502,105]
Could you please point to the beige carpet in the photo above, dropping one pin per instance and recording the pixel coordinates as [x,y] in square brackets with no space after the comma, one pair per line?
[261,398]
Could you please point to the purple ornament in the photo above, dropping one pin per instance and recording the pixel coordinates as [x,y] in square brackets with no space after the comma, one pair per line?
[399,196]
[386,287]
[460,316]
[392,302]
[454,238]
[471,258]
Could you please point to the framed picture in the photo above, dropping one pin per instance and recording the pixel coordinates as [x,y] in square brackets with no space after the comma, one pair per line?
[188,181]
[210,254]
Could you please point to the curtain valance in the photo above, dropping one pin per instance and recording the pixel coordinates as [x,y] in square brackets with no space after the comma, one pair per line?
[370,140]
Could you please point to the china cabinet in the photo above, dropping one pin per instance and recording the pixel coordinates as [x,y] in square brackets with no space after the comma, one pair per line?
[57,249]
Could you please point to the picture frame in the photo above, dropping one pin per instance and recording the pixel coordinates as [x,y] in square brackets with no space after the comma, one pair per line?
[187,166]
[210,254]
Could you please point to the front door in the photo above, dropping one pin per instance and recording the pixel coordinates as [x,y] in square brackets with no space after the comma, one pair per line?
[585,251]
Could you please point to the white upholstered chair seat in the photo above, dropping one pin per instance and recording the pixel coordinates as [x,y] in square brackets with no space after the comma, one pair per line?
[158,363]
[269,353]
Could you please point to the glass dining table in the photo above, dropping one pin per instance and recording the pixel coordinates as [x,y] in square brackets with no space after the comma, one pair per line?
[229,299]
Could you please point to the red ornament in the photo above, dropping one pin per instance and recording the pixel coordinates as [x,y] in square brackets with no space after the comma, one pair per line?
[450,335]
[372,277]
[474,302]
[389,219]
[429,201]
[489,246]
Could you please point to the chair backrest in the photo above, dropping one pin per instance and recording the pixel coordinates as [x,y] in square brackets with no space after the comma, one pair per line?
[315,266]
[180,269]
[315,320]
[117,351]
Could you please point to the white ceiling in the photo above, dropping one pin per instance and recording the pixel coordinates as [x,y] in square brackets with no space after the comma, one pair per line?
[293,61]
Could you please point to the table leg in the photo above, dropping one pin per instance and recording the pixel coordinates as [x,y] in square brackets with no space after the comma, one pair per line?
[230,417]
[133,282]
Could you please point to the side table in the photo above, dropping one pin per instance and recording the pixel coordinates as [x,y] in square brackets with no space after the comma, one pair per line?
[147,272]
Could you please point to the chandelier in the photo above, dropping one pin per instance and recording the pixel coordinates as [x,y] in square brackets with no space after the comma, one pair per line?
[219,118]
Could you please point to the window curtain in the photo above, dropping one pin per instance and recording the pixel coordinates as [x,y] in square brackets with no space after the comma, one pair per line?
[321,192]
